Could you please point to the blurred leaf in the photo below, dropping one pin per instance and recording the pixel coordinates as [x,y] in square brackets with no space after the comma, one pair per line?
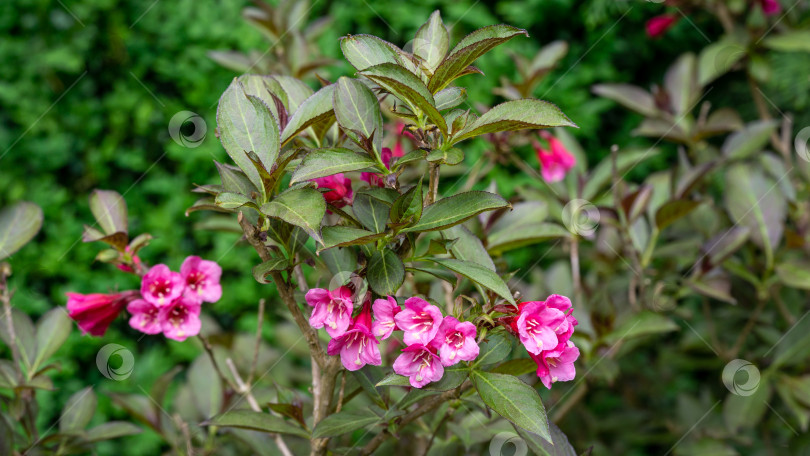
[329,161]
[110,211]
[18,225]
[451,157]
[256,421]
[467,246]
[521,236]
[206,386]
[723,245]
[641,324]
[468,50]
[455,209]
[341,236]
[261,271]
[747,411]
[78,411]
[680,82]
[367,380]
[112,430]
[290,411]
[478,274]
[385,272]
[717,59]
[629,96]
[789,41]
[794,274]
[515,115]
[53,329]
[513,400]
[794,345]
[602,174]
[672,211]
[344,422]
[750,140]
[25,334]
[303,207]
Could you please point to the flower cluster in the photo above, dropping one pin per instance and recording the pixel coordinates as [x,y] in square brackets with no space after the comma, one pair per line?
[545,329]
[168,302]
[432,341]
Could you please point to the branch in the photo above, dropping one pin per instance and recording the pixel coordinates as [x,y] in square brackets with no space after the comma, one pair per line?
[428,406]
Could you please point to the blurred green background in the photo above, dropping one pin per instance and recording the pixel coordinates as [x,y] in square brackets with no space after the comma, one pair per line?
[87,89]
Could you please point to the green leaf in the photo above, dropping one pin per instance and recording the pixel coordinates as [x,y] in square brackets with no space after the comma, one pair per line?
[18,225]
[794,274]
[450,98]
[303,207]
[261,271]
[365,377]
[478,274]
[408,207]
[750,140]
[439,273]
[371,212]
[513,400]
[341,236]
[496,348]
[515,115]
[256,421]
[674,210]
[680,82]
[455,209]
[641,324]
[53,329]
[266,89]
[78,411]
[110,211]
[385,272]
[407,87]
[468,247]
[25,335]
[412,156]
[792,348]
[516,367]
[234,180]
[468,50]
[245,125]
[358,110]
[227,200]
[432,41]
[344,422]
[364,51]
[329,161]
[717,59]
[111,430]
[316,108]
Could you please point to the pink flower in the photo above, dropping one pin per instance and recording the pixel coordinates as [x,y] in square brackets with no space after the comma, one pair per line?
[374,179]
[420,363]
[94,312]
[420,320]
[341,189]
[557,365]
[554,164]
[659,25]
[563,304]
[770,7]
[456,341]
[181,319]
[537,326]
[202,279]
[333,309]
[145,317]
[357,346]
[384,312]
[161,286]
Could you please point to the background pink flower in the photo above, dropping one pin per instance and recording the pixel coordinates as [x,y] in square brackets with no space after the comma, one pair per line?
[202,279]
[384,312]
[420,364]
[94,312]
[161,285]
[554,163]
[145,317]
[181,319]
[340,194]
[658,25]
